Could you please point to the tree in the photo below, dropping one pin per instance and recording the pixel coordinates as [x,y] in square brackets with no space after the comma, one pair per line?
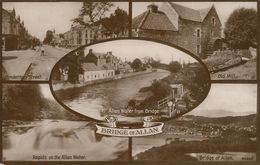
[241,28]
[92,11]
[48,38]
[21,102]
[174,66]
[160,89]
[117,22]
[137,64]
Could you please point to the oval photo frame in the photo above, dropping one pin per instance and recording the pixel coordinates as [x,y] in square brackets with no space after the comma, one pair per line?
[91,81]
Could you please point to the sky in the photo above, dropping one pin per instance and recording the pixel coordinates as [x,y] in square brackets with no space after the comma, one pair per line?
[131,49]
[39,17]
[228,100]
[224,9]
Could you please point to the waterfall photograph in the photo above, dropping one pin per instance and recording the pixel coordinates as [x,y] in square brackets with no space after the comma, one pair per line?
[36,128]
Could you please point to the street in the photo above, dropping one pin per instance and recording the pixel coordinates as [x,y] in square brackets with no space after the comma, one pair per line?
[41,67]
[15,63]
[29,65]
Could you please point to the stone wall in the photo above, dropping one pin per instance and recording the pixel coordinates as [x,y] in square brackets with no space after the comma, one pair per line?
[208,27]
[185,37]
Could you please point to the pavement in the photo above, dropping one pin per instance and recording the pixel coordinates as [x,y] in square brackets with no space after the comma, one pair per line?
[15,63]
[41,67]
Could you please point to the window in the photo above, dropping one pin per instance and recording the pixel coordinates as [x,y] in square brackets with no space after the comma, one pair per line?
[211,33]
[213,21]
[198,32]
[198,49]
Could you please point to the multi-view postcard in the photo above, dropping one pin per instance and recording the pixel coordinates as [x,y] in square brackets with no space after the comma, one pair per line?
[130,82]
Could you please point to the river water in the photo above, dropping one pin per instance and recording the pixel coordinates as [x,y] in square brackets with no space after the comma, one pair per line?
[90,100]
[62,140]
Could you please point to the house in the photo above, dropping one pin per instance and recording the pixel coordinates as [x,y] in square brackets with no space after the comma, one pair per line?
[98,66]
[193,30]
[92,72]
[14,34]
[79,35]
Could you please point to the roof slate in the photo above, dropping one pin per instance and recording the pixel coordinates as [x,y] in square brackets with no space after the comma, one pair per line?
[153,21]
[160,21]
[88,66]
[190,14]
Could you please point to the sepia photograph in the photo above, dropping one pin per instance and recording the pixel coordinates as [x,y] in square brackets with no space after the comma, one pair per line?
[130,79]
[130,82]
[223,34]
[218,130]
[36,128]
[35,35]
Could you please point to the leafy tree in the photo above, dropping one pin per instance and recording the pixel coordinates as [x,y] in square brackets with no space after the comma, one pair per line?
[155,63]
[26,102]
[93,11]
[160,89]
[241,28]
[21,102]
[174,66]
[48,38]
[137,64]
[117,22]
[73,63]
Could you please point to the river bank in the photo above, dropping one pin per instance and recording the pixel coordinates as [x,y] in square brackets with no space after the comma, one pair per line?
[92,100]
[67,85]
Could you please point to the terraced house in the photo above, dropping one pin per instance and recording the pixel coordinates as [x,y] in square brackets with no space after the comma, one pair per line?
[79,35]
[14,34]
[198,31]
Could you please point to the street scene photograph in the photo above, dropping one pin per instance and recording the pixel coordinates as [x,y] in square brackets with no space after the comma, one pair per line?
[222,34]
[222,129]
[37,128]
[35,35]
[130,80]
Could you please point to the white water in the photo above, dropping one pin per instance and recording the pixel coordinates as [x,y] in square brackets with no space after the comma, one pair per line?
[63,138]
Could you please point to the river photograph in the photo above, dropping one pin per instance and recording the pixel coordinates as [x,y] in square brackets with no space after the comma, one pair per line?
[36,128]
[129,79]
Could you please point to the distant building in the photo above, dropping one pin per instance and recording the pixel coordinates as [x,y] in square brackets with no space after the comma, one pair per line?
[97,66]
[79,35]
[198,31]
[14,34]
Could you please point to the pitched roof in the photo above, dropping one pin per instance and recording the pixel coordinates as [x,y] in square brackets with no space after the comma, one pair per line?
[88,66]
[190,14]
[153,21]
[99,55]
[204,13]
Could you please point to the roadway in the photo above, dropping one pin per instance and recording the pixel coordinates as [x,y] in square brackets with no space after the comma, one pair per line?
[29,65]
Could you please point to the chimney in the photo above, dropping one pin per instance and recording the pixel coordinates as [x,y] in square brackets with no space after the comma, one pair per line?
[90,51]
[152,8]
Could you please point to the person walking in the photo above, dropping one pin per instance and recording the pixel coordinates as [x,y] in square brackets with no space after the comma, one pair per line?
[42,50]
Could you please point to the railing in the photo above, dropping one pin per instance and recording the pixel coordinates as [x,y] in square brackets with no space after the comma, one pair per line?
[163,102]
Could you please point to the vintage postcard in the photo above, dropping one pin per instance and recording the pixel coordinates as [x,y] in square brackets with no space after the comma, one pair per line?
[130,82]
